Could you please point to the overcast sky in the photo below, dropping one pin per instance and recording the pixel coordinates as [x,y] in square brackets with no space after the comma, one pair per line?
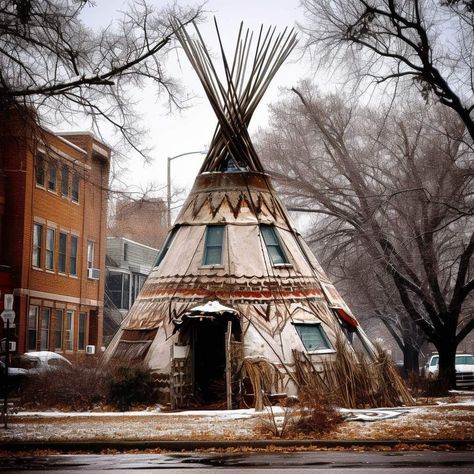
[192,129]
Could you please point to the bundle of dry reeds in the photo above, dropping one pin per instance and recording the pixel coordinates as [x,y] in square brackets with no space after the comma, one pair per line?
[264,376]
[353,381]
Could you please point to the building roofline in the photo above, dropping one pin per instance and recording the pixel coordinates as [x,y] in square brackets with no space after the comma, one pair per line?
[88,133]
[56,134]
[133,242]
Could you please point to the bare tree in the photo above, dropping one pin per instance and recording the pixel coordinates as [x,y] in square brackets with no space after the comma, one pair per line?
[428,42]
[400,188]
[53,62]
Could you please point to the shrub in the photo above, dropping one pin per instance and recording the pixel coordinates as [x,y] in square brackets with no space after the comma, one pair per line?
[78,388]
[314,414]
[317,415]
[130,385]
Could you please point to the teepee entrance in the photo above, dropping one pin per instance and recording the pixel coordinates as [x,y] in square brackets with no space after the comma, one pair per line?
[212,333]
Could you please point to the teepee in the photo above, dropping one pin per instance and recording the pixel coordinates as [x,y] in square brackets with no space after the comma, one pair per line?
[236,295]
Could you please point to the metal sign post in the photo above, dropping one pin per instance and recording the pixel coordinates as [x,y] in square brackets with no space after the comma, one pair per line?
[8,316]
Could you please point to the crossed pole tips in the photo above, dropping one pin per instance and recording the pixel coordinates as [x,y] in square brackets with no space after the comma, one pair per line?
[235,97]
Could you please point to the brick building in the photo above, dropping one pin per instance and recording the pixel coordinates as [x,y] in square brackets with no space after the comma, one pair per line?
[53,203]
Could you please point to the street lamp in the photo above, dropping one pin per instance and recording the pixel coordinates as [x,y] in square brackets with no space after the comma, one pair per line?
[168,179]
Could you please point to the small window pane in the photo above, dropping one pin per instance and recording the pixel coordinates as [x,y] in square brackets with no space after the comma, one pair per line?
[213,246]
[32,327]
[45,324]
[81,338]
[52,176]
[75,187]
[58,336]
[50,249]
[313,337]
[272,242]
[114,288]
[214,236]
[73,256]
[62,253]
[126,291]
[69,330]
[37,244]
[40,170]
[65,180]
[213,256]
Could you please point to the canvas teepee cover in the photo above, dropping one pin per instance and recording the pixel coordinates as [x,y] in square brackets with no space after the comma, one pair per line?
[234,283]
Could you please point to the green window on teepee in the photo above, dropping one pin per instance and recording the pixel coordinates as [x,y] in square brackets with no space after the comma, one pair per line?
[213,245]
[273,244]
[313,337]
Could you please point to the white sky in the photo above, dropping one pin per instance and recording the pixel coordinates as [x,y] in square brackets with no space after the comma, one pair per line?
[192,129]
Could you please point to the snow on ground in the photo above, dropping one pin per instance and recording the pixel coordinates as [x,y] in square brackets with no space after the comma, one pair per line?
[453,420]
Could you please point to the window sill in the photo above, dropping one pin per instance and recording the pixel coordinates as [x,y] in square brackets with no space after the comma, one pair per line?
[211,267]
[74,276]
[52,191]
[38,269]
[321,351]
[64,274]
[75,202]
[40,186]
[51,272]
[282,265]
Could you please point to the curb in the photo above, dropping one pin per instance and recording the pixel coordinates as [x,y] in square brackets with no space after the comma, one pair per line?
[191,445]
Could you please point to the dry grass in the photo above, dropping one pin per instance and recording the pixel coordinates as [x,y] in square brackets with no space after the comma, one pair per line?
[421,423]
[353,382]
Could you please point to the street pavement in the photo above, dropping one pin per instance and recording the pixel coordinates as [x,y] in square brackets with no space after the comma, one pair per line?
[279,463]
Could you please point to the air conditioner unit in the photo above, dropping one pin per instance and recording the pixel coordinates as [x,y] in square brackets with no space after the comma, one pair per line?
[93,273]
[90,349]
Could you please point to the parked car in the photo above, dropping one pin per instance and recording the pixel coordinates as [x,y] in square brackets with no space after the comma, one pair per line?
[16,377]
[41,361]
[464,369]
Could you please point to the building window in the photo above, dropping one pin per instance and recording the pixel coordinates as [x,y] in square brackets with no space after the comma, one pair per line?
[313,337]
[272,242]
[39,169]
[32,327]
[69,330]
[58,333]
[52,175]
[50,248]
[118,289]
[37,245]
[138,281]
[73,256]
[45,325]
[213,245]
[81,337]
[90,254]
[75,187]
[62,252]
[65,180]
[125,252]
[166,246]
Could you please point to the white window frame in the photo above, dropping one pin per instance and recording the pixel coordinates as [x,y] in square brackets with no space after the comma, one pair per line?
[329,350]
[36,255]
[69,331]
[90,253]
[49,248]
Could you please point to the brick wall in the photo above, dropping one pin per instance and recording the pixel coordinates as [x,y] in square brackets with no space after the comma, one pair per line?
[52,291]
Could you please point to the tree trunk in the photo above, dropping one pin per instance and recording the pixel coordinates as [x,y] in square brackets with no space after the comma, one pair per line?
[411,357]
[447,360]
